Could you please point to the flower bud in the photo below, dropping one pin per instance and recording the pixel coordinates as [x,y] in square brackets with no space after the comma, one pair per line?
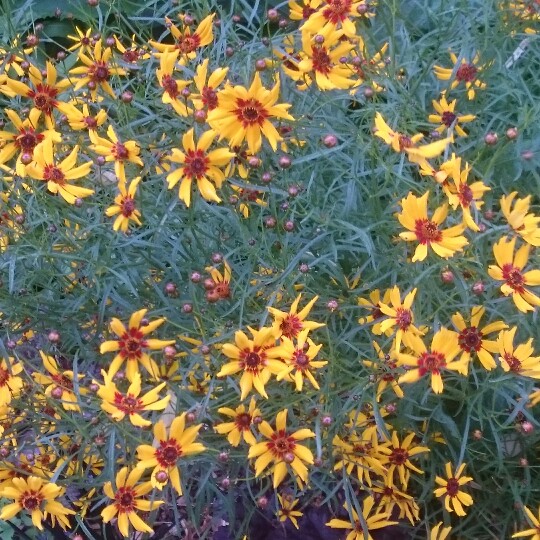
[332,305]
[330,141]
[447,276]
[491,138]
[272,15]
[512,133]
[478,288]
[285,162]
[187,308]
[195,277]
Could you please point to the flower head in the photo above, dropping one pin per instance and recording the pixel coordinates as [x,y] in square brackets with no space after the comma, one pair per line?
[517,359]
[526,224]
[465,72]
[451,489]
[448,117]
[509,268]
[533,533]
[290,324]
[282,449]
[286,509]
[10,383]
[172,88]
[241,425]
[385,369]
[124,206]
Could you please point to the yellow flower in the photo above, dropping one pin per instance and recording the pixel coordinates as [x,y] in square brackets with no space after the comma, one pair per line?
[43,92]
[59,383]
[385,371]
[533,533]
[97,71]
[257,358]
[397,458]
[245,113]
[286,509]
[282,449]
[172,88]
[440,534]
[82,120]
[321,60]
[134,53]
[179,443]
[207,98]
[448,118]
[245,196]
[36,497]
[124,206]
[292,323]
[440,356]
[400,316]
[198,165]
[299,358]
[133,344]
[389,497]
[334,14]
[302,11]
[454,498]
[466,72]
[520,359]
[57,175]
[523,223]
[240,428]
[414,217]
[115,150]
[185,41]
[83,40]
[127,499]
[10,384]
[374,305]
[361,528]
[130,404]
[509,269]
[472,340]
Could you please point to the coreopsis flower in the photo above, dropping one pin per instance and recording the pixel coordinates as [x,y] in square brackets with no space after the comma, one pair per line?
[526,224]
[247,197]
[286,509]
[396,502]
[360,452]
[366,66]
[131,403]
[240,427]
[462,194]
[385,370]
[368,422]
[124,207]
[79,120]
[440,533]
[509,269]
[408,144]
[448,117]
[465,72]
[302,10]
[97,71]
[60,383]
[36,497]
[243,114]
[374,306]
[221,289]
[472,339]
[132,345]
[451,489]
[10,383]
[333,15]
[360,529]
[290,324]
[127,498]
[299,360]
[256,358]
[321,60]
[198,165]
[433,361]
[185,41]
[133,53]
[82,41]
[207,85]
[58,174]
[282,449]
[115,150]
[24,140]
[517,359]
[398,458]
[534,533]
[427,232]
[43,92]
[169,448]
[172,88]
[400,317]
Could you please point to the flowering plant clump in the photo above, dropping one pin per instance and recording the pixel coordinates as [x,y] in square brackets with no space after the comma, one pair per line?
[269,269]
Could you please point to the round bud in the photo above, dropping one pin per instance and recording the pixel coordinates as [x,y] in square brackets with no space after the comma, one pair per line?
[11,344]
[491,138]
[288,457]
[527,427]
[223,457]
[304,268]
[512,133]
[262,502]
[205,349]
[252,241]
[326,420]
[477,435]
[435,134]
[60,55]
[78,202]
[195,277]
[265,41]
[169,351]
[217,258]
[190,417]
[126,96]
[332,305]
[527,155]
[200,116]
[288,225]
[209,284]
[187,308]
[52,228]
[99,440]
[170,288]
[266,177]
[489,215]
[391,408]
[523,462]
[185,93]
[317,462]
[330,141]
[319,39]
[57,392]
[257,420]
[91,85]
[270,222]
[4,452]
[272,15]
[119,375]
[162,477]
[53,336]
[100,160]
[229,51]
[26,158]
[260,65]
[293,191]
[478,288]
[212,296]
[188,20]
[447,276]
[285,162]
[226,483]
[254,162]
[110,41]
[362,9]
[236,18]
[93,387]
[284,206]
[32,40]
[93,3]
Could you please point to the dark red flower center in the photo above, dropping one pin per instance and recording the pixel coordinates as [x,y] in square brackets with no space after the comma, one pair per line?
[28,139]
[250,112]
[131,344]
[209,97]
[404,318]
[290,326]
[321,59]
[432,362]
[243,421]
[44,97]
[128,404]
[52,173]
[4,376]
[187,44]
[128,206]
[300,360]
[90,122]
[470,339]
[452,487]
[124,499]
[465,195]
[168,453]
[31,500]
[448,118]
[307,12]
[253,360]
[170,86]
[466,72]
[119,151]
[513,277]
[513,363]
[337,10]
[405,142]
[399,456]
[99,72]
[281,443]
[196,163]
[62,381]
[427,231]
